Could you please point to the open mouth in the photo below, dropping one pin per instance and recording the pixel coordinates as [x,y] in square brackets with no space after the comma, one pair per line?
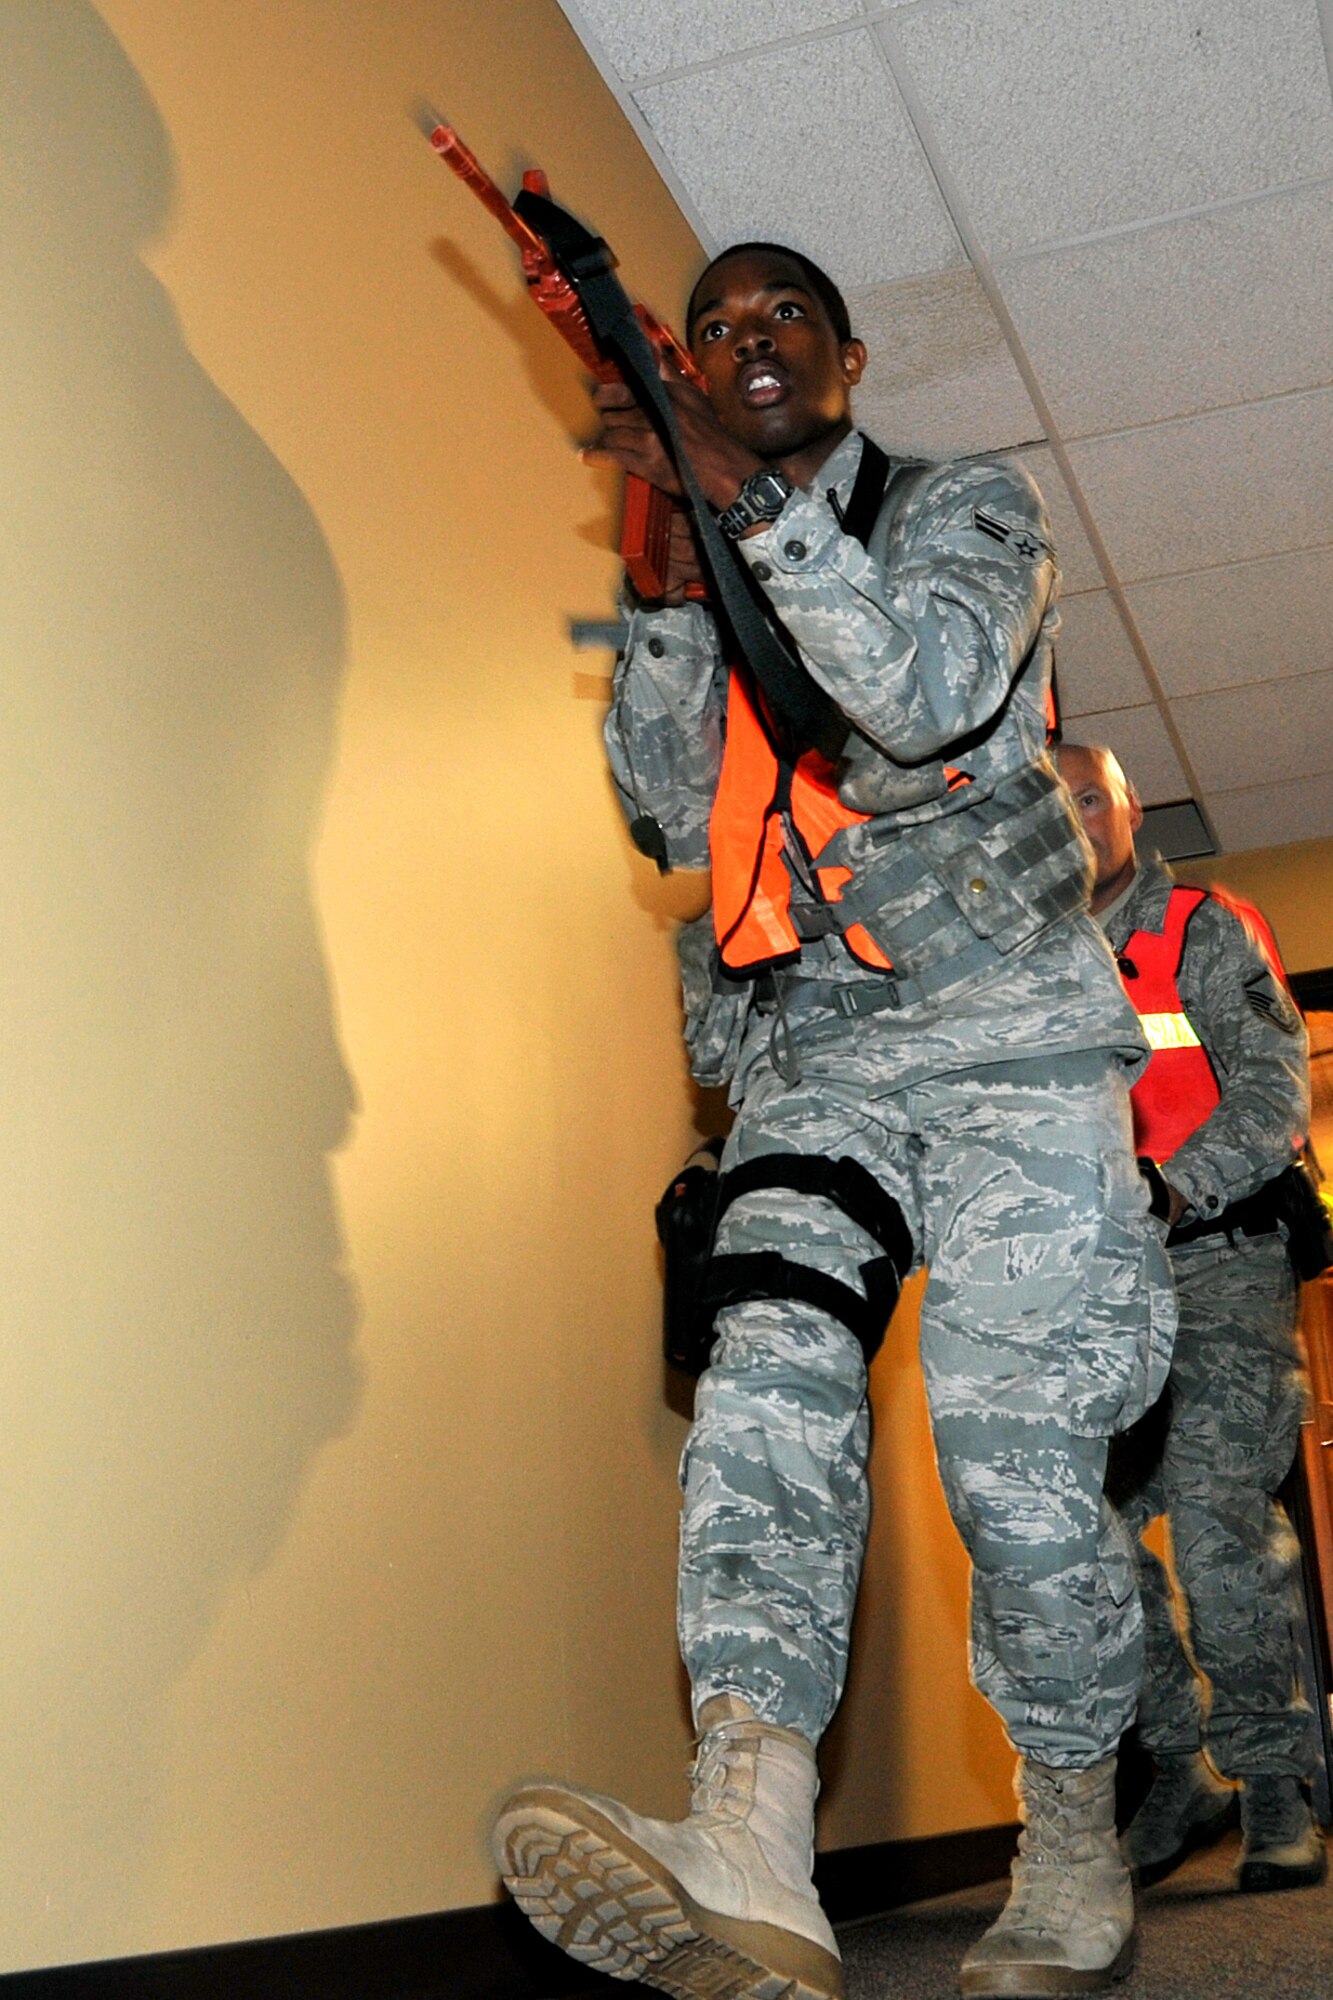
[759,385]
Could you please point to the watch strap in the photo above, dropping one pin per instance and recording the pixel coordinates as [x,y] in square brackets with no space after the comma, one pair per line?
[762,498]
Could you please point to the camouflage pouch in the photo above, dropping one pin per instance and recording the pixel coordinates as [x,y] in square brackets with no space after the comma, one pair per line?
[994,873]
[715,1011]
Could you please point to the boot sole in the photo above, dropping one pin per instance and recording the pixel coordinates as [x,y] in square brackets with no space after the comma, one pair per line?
[1203,1833]
[607,1902]
[1257,1878]
[1043,1982]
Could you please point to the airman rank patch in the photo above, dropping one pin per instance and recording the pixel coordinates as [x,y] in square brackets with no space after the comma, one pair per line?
[1010,536]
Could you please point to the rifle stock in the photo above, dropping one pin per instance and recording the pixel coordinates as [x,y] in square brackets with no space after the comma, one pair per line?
[645,530]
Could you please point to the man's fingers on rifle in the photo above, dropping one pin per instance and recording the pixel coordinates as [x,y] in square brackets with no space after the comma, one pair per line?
[613,396]
[683,564]
[629,441]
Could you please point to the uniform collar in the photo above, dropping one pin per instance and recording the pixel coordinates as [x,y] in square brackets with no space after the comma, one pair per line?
[1106,917]
[1142,906]
[838,472]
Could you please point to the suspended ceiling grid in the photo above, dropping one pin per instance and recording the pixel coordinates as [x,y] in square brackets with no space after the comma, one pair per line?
[1099,234]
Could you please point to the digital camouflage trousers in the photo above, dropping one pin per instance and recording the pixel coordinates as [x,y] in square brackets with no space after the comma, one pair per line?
[1210,1457]
[1046,1325]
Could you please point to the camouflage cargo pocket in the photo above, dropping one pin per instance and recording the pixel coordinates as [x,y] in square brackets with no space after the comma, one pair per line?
[1047,1642]
[1121,1348]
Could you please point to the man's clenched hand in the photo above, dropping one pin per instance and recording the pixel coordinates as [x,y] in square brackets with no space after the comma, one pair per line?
[628,441]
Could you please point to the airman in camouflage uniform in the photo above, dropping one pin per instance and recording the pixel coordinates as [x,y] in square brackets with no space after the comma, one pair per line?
[1214,1451]
[981,1086]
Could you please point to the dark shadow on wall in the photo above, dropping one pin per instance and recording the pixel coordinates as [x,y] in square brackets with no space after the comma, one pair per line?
[177,1333]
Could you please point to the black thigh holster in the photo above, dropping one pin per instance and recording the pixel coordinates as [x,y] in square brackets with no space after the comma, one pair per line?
[700,1283]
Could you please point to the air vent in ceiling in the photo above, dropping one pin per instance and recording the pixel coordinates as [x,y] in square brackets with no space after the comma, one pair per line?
[1177,831]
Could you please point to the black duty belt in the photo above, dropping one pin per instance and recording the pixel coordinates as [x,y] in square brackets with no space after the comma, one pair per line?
[1254,1214]
[883,992]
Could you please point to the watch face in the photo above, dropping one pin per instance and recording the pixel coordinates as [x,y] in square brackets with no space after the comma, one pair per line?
[770,491]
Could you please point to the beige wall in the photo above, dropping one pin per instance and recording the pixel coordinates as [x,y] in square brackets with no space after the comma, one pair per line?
[1292,885]
[341,1061]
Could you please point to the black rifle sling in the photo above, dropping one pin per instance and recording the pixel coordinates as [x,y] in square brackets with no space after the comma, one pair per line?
[878,481]
[867,495]
[811,716]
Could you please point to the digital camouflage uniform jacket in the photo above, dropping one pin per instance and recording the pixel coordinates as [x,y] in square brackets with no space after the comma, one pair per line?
[935,642]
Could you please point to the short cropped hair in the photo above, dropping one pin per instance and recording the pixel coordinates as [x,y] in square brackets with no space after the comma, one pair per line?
[821,285]
[1111,769]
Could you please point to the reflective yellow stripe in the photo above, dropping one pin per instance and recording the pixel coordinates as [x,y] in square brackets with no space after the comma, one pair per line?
[1168,1031]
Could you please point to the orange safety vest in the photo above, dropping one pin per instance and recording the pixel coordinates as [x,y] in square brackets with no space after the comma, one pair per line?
[1179,1089]
[765,809]
[763,805]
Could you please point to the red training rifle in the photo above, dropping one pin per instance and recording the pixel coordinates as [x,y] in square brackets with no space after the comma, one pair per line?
[645,528]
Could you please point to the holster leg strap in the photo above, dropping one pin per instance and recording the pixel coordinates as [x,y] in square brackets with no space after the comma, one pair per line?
[766,1274]
[736,1277]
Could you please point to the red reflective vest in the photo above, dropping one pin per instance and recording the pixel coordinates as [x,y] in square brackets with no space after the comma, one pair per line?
[1179,1089]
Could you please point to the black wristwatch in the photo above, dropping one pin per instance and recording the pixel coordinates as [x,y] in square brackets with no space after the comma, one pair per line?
[762,498]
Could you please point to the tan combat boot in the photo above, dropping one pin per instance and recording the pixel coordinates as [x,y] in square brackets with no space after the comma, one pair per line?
[1282,1848]
[1068,1927]
[718,1906]
[1186,1807]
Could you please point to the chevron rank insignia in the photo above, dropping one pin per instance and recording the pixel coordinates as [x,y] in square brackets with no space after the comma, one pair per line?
[1021,540]
[1269,1001]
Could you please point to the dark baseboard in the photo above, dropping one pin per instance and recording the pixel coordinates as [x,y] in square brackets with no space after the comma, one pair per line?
[489,1953]
[864,1881]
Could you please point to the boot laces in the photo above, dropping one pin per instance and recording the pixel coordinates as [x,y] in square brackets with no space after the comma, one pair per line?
[1274,1812]
[1060,1840]
[717,1788]
[1042,1899]
[1045,1886]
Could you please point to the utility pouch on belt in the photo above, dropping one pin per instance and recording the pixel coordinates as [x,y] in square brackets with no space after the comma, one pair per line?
[716,1007]
[686,1224]
[1308,1223]
[1291,1199]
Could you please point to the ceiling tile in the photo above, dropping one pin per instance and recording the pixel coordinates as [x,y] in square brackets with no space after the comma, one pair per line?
[1060,120]
[1079,567]
[1236,736]
[1257,621]
[1215,489]
[809,146]
[941,380]
[1271,815]
[641,37]
[1215,309]
[1097,665]
[1138,737]
[1177,832]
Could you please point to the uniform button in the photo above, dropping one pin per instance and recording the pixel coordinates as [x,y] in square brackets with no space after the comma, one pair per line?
[762,572]
[1212,1201]
[656,648]
[797,551]
[978,885]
